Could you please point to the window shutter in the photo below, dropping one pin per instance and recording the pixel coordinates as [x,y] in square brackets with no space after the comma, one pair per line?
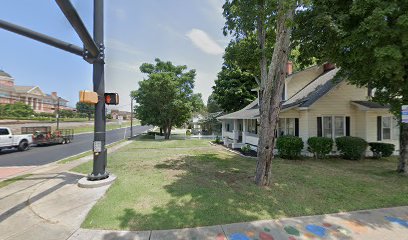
[319,127]
[379,128]
[347,126]
[297,127]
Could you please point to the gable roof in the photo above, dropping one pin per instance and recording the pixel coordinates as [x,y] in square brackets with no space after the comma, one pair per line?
[4,74]
[23,89]
[305,97]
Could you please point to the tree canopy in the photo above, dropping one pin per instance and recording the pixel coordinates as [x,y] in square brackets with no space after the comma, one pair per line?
[368,40]
[85,108]
[233,89]
[18,109]
[212,104]
[165,98]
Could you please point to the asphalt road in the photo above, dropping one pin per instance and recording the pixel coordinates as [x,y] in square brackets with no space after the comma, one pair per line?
[37,156]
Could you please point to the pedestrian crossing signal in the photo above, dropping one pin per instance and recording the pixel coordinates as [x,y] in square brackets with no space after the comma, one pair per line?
[111,98]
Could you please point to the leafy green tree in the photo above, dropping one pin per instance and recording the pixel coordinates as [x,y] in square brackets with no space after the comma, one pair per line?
[368,40]
[17,109]
[165,98]
[246,17]
[197,103]
[85,108]
[233,89]
[212,104]
[66,113]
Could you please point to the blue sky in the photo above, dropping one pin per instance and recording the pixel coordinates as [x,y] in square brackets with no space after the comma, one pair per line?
[186,32]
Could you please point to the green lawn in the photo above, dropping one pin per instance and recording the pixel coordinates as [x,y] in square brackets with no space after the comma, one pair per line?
[90,128]
[189,183]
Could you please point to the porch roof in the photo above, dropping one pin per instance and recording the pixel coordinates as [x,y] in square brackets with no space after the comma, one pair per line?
[251,111]
[365,105]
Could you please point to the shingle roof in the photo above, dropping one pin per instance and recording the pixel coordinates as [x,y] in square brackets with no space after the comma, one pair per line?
[23,89]
[303,98]
[314,90]
[4,74]
[370,104]
[248,112]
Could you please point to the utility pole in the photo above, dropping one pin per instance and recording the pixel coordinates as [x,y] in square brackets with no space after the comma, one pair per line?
[131,116]
[93,53]
[100,152]
[58,112]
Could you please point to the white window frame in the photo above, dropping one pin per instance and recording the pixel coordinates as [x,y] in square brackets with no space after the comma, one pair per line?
[285,126]
[383,128]
[333,125]
[393,125]
[252,124]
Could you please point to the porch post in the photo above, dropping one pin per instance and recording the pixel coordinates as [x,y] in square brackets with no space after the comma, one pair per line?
[235,132]
[244,130]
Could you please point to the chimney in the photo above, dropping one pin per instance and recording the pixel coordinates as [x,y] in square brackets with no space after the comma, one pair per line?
[328,66]
[54,94]
[289,68]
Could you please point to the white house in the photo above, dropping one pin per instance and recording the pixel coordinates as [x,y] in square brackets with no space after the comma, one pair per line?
[316,104]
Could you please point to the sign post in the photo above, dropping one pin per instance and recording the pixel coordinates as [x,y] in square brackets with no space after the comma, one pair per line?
[404,114]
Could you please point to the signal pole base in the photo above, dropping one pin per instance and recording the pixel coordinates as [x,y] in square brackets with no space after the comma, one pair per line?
[86,183]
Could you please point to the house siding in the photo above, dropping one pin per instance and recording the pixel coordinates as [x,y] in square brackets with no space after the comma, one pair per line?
[337,102]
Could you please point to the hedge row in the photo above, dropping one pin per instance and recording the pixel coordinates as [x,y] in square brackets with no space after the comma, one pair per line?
[353,148]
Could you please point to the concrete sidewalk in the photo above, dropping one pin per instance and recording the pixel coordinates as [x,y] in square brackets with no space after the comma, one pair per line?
[49,205]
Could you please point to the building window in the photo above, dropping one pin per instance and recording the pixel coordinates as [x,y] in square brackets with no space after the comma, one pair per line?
[339,127]
[4,131]
[253,126]
[228,127]
[386,128]
[286,126]
[333,126]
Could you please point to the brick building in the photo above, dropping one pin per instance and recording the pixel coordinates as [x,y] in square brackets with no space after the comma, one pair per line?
[31,95]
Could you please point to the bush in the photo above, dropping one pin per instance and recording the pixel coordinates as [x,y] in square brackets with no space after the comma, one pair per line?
[381,149]
[352,148]
[188,132]
[246,148]
[217,140]
[320,146]
[289,147]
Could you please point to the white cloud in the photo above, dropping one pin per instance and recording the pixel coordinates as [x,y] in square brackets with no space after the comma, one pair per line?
[118,45]
[130,67]
[203,41]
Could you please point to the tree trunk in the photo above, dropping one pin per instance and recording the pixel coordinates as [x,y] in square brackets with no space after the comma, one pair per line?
[403,162]
[271,94]
[161,131]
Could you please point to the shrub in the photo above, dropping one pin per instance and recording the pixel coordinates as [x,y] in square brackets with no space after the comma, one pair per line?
[246,148]
[381,149]
[320,146]
[352,148]
[217,140]
[289,147]
[188,132]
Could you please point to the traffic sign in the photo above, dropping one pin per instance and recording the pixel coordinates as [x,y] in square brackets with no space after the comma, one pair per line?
[404,113]
[111,98]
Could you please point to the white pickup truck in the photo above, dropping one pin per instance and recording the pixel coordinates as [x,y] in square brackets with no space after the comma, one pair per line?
[8,140]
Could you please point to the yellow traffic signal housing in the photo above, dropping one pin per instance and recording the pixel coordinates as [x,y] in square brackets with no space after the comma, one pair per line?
[88,97]
[111,98]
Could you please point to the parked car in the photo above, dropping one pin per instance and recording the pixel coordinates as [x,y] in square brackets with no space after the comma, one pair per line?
[8,140]
[44,135]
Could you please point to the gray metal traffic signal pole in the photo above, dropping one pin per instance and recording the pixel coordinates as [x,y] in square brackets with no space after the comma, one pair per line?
[93,52]
[99,158]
